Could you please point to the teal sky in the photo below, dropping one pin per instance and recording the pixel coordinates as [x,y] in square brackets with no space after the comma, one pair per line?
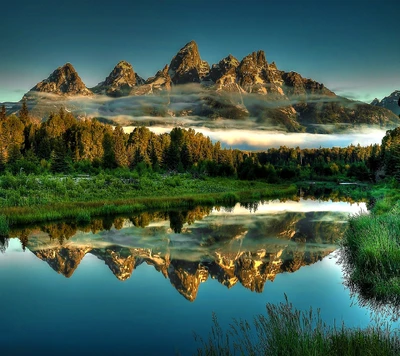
[350,46]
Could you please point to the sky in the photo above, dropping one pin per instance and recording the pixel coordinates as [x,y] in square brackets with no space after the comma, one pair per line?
[350,46]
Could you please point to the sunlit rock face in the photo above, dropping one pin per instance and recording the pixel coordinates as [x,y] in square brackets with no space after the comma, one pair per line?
[233,93]
[63,81]
[120,81]
[187,66]
[295,84]
[223,74]
[186,277]
[155,85]
[119,259]
[252,74]
[63,260]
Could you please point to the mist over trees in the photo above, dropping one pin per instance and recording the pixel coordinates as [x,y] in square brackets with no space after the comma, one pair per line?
[64,144]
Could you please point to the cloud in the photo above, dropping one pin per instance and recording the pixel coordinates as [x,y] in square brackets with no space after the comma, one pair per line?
[261,139]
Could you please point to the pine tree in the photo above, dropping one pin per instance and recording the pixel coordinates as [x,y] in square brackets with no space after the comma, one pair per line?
[108,147]
[60,162]
[3,114]
[186,157]
[120,153]
[14,153]
[24,112]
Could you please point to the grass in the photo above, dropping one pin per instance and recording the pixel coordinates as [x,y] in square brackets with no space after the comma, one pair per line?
[287,331]
[4,226]
[33,199]
[371,249]
[371,252]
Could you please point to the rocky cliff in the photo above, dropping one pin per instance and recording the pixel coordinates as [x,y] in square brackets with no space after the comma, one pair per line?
[250,90]
[391,102]
[120,82]
[187,66]
[63,81]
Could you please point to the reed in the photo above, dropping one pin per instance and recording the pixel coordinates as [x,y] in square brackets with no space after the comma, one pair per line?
[285,330]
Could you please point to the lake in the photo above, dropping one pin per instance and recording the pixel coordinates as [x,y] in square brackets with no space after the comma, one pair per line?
[142,285]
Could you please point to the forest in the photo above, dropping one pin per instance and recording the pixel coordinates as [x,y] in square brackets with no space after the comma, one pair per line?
[66,145]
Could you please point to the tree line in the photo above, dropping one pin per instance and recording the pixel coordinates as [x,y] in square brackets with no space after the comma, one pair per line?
[64,144]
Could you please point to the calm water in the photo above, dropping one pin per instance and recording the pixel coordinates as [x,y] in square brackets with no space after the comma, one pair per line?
[143,285]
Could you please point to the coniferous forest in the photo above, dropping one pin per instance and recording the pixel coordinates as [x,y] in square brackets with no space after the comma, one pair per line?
[64,144]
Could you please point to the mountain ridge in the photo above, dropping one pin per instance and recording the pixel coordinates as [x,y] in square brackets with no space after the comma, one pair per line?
[250,89]
[390,102]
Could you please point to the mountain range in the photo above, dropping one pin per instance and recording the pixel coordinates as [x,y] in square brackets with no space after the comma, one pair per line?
[230,92]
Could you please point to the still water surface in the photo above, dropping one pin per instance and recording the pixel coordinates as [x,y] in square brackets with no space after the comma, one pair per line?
[143,285]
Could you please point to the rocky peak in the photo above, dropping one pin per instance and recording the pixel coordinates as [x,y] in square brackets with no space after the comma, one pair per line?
[375,102]
[187,66]
[252,73]
[120,81]
[62,259]
[161,80]
[225,66]
[391,102]
[63,81]
[295,84]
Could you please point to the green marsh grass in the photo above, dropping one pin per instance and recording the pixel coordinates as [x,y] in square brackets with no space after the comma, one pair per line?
[4,226]
[287,331]
[371,253]
[32,199]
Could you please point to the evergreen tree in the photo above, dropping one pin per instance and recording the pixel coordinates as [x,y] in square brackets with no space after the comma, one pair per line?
[14,153]
[172,158]
[2,161]
[24,112]
[3,113]
[60,160]
[186,157]
[108,147]
[120,153]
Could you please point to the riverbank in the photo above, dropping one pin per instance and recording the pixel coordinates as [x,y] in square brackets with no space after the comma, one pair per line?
[372,247]
[33,199]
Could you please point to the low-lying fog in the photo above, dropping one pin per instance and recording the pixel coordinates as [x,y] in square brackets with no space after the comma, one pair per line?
[181,107]
[262,139]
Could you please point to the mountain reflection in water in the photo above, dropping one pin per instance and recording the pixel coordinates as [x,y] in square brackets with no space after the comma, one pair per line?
[248,244]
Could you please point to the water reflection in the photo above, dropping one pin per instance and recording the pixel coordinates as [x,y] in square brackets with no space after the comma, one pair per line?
[245,244]
[386,306]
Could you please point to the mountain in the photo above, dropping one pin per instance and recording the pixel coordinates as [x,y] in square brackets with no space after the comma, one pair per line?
[63,259]
[120,81]
[391,102]
[187,66]
[153,85]
[250,92]
[63,81]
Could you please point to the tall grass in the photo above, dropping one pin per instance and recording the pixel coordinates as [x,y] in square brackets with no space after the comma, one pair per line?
[28,199]
[4,226]
[287,331]
[371,253]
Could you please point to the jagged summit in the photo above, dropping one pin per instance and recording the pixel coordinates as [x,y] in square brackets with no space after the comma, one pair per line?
[248,89]
[187,66]
[63,81]
[391,102]
[120,81]
[375,102]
